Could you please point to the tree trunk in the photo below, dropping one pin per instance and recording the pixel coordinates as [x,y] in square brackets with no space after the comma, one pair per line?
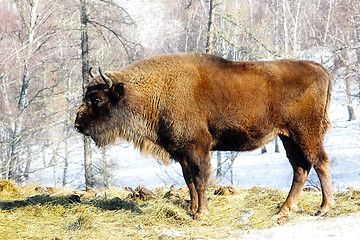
[296,41]
[357,34]
[89,178]
[16,138]
[351,112]
[218,170]
[231,175]
[53,164]
[85,69]
[233,156]
[66,164]
[286,30]
[28,164]
[348,84]
[30,26]
[211,30]
[263,150]
[105,170]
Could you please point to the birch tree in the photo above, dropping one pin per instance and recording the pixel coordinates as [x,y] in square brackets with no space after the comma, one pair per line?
[89,178]
[211,29]
[105,25]
[32,19]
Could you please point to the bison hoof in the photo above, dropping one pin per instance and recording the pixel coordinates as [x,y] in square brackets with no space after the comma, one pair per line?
[318,213]
[193,209]
[282,212]
[324,209]
[285,210]
[282,220]
[200,215]
[321,212]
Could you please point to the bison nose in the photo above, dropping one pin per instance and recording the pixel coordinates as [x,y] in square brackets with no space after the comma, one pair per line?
[78,128]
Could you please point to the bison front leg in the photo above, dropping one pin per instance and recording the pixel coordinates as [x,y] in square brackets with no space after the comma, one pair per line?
[190,183]
[201,174]
[196,169]
[196,174]
[194,158]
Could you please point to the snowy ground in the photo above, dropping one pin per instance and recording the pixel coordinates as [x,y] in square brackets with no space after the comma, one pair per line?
[341,228]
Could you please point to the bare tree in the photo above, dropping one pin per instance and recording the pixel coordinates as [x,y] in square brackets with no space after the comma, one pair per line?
[89,178]
[31,19]
[103,25]
[211,28]
[227,165]
[40,65]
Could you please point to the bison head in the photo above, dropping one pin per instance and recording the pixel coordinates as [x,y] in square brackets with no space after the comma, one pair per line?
[96,112]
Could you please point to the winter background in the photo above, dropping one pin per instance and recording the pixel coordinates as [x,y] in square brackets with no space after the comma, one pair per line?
[127,167]
[303,30]
[40,52]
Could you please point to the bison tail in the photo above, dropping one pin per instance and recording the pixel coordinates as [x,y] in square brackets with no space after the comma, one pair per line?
[326,120]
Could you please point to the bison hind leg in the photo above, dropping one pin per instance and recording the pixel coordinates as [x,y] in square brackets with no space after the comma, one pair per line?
[322,168]
[304,153]
[301,167]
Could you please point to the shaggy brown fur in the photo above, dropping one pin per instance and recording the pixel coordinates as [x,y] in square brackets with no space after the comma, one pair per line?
[184,105]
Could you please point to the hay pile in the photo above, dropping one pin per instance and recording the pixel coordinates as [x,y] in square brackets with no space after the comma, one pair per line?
[26,213]
[8,186]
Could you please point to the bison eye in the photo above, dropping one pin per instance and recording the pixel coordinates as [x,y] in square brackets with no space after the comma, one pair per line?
[97,101]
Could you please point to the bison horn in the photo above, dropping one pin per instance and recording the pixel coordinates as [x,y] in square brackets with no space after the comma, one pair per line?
[90,72]
[106,79]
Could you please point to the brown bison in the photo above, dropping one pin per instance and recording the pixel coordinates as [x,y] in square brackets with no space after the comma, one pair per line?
[183,106]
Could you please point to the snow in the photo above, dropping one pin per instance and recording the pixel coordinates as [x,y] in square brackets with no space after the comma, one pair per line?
[346,227]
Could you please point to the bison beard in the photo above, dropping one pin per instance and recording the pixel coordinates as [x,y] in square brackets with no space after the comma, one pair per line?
[182,106]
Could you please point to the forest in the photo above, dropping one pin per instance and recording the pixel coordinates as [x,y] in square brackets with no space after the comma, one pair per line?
[48,46]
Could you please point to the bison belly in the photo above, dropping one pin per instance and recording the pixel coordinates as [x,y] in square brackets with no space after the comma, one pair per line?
[235,139]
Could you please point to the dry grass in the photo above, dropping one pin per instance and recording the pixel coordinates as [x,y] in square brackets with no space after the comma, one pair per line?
[34,213]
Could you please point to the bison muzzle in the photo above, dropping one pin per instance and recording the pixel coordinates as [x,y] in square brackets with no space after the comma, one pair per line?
[182,106]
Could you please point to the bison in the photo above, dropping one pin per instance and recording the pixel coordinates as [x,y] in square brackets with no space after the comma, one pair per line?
[182,106]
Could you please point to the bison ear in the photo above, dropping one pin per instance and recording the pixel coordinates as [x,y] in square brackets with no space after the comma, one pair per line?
[119,90]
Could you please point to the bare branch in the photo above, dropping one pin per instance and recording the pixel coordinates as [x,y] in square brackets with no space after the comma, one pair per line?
[125,43]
